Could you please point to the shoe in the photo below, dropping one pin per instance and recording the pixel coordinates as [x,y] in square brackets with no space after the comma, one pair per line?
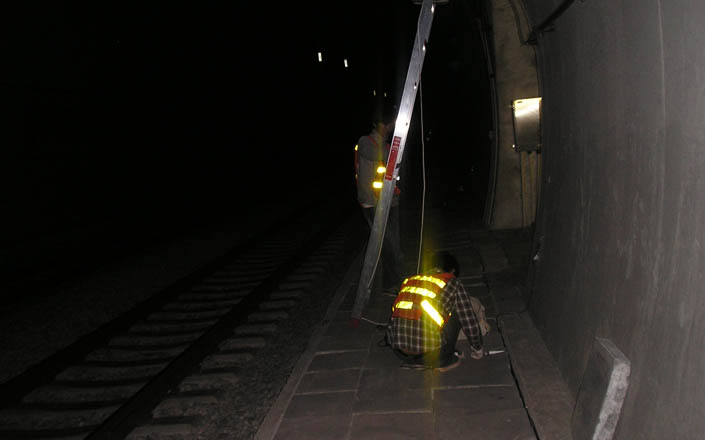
[449,366]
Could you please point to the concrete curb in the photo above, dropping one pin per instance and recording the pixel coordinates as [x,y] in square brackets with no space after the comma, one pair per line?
[547,398]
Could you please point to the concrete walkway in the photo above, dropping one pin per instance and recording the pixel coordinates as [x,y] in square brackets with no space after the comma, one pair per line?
[347,386]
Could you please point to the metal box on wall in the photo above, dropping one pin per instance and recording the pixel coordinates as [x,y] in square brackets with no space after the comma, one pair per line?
[526,119]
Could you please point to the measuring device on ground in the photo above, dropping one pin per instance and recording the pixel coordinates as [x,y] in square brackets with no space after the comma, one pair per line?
[396,152]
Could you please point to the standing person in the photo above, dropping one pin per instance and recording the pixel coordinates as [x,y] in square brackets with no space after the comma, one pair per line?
[370,161]
[428,314]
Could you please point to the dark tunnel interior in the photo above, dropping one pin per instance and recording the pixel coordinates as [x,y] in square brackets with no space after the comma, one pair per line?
[130,126]
[132,123]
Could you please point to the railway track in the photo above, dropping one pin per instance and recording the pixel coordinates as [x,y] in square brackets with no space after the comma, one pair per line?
[159,369]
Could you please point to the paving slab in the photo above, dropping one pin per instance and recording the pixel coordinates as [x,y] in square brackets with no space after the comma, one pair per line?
[492,340]
[511,424]
[401,426]
[477,399]
[402,400]
[393,379]
[382,357]
[321,404]
[340,336]
[379,313]
[490,370]
[338,360]
[376,399]
[331,380]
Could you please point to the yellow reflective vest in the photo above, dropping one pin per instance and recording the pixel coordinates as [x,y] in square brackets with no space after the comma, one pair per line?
[419,295]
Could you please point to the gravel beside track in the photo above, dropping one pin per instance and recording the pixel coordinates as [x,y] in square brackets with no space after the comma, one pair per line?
[244,406]
[34,328]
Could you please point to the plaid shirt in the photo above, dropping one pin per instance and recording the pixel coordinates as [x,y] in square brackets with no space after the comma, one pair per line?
[423,335]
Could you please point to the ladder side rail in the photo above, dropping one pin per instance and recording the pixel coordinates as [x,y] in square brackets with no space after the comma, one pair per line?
[401,129]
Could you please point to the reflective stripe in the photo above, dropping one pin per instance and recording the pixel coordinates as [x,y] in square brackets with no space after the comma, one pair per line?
[377,184]
[357,163]
[423,291]
[419,291]
[437,281]
[404,305]
[432,312]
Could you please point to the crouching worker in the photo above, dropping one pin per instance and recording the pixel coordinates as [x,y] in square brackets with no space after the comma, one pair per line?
[427,316]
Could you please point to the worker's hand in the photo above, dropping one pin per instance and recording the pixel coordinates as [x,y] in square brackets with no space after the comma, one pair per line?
[477,354]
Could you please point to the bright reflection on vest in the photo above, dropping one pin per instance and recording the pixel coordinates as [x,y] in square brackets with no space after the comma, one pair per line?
[404,305]
[377,185]
[381,169]
[433,313]
[437,281]
[419,291]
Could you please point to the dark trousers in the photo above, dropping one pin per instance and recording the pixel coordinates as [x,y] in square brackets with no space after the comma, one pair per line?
[444,355]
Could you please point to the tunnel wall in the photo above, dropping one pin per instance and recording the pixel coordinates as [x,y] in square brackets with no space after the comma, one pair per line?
[515,78]
[621,223]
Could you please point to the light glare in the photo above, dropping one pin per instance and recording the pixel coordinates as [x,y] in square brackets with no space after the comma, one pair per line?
[523,107]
